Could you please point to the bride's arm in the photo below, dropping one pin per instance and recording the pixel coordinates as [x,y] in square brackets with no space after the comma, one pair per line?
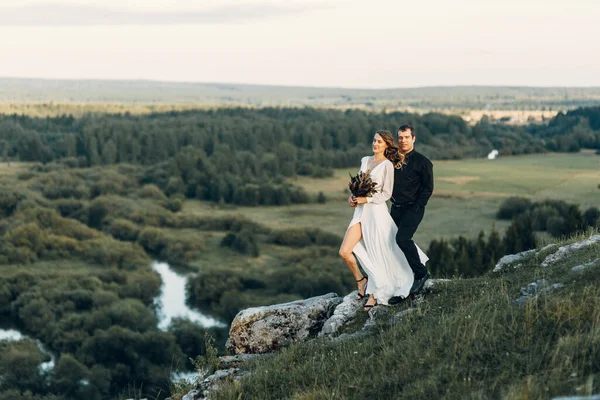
[386,189]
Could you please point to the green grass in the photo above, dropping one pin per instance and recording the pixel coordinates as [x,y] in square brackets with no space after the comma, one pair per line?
[468,340]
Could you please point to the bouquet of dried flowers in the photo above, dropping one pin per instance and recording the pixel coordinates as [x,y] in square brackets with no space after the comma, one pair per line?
[361,185]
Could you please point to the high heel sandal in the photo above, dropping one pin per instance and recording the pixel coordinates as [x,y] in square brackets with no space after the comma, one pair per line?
[361,296]
[368,307]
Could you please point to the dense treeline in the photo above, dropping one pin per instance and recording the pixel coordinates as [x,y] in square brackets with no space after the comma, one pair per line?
[472,257]
[241,156]
[571,131]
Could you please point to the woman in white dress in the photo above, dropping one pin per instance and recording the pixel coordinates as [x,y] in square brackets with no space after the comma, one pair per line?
[371,235]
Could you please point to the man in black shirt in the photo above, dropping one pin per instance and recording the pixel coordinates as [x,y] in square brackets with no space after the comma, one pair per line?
[413,186]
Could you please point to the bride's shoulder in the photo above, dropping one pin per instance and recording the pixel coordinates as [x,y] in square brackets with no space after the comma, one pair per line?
[365,158]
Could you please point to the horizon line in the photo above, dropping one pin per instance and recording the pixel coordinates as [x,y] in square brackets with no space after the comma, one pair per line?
[124,80]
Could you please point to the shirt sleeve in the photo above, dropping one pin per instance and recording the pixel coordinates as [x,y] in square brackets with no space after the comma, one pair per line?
[426,183]
[386,188]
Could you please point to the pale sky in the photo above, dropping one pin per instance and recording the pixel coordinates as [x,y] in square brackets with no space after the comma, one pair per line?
[334,43]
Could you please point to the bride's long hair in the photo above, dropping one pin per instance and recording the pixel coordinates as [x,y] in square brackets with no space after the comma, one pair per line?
[392,151]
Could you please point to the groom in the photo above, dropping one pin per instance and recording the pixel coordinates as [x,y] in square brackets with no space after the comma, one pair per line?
[413,186]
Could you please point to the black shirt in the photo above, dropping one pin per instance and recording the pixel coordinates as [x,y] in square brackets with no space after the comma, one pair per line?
[413,183]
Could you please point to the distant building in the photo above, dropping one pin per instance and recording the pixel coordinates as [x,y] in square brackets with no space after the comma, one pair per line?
[493,154]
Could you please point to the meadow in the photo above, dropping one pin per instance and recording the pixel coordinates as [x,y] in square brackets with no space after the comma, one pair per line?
[465,201]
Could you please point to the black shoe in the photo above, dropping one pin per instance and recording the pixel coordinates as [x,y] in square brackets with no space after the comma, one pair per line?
[395,300]
[368,307]
[419,283]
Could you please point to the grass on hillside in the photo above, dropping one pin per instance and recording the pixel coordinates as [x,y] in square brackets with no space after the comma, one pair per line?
[468,340]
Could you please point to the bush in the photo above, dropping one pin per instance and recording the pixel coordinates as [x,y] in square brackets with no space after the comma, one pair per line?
[69,207]
[242,242]
[321,199]
[123,229]
[592,216]
[556,226]
[151,191]
[512,207]
[174,204]
[153,240]
[292,237]
[9,200]
[305,237]
[110,252]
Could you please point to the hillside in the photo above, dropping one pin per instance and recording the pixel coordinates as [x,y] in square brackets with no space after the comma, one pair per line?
[16,90]
[530,331]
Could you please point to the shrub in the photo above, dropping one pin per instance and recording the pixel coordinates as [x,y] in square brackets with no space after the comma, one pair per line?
[174,204]
[592,216]
[151,191]
[512,207]
[123,229]
[110,252]
[556,226]
[9,200]
[97,211]
[321,198]
[28,236]
[242,242]
[292,237]
[69,207]
[153,240]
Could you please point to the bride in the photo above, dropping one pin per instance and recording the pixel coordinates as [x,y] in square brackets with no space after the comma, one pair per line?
[371,235]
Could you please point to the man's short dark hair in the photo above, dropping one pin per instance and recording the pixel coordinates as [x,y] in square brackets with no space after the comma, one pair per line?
[404,128]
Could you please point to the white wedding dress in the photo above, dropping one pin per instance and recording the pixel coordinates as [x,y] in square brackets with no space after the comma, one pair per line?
[388,270]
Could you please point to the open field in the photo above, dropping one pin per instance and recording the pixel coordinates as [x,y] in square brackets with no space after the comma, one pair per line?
[466,197]
[140,94]
[78,109]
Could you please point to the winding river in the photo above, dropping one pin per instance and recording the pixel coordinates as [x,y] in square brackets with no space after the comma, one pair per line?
[171,301]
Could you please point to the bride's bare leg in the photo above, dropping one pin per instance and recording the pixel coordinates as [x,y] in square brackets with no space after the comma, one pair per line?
[352,237]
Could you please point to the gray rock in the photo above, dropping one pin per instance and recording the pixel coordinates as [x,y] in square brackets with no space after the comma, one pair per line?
[512,258]
[211,382]
[564,251]
[534,289]
[266,329]
[585,266]
[430,284]
[193,395]
[547,247]
[354,335]
[371,321]
[398,316]
[343,313]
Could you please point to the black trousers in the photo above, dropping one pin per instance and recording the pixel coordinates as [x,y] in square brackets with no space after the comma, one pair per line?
[407,219]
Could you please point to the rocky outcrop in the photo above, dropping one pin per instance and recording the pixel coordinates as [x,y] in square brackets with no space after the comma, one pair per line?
[266,329]
[564,251]
[534,289]
[343,313]
[203,389]
[511,259]
[585,266]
